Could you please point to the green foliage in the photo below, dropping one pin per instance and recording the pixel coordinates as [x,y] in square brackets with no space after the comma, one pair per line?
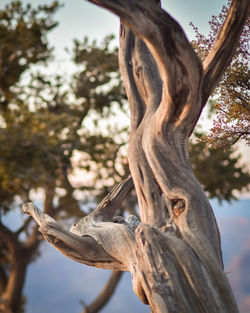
[40,140]
[42,122]
[23,42]
[218,170]
[98,84]
[46,137]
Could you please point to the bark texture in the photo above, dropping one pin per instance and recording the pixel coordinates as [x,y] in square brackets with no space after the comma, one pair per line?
[174,256]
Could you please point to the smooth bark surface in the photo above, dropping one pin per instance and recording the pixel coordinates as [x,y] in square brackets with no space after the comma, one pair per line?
[174,256]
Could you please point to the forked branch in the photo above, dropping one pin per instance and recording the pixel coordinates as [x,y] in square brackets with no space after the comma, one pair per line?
[87,242]
[174,58]
[83,249]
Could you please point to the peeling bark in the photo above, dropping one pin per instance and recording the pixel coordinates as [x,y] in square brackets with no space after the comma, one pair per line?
[174,256]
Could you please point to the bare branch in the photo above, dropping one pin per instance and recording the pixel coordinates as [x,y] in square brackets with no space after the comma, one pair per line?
[109,205]
[224,47]
[85,242]
[24,226]
[13,244]
[40,218]
[3,279]
[35,237]
[83,249]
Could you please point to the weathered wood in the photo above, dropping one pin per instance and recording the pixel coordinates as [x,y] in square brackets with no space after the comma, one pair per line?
[83,244]
[175,256]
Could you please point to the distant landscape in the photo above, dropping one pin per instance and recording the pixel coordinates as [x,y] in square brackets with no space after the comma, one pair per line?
[59,285]
[234,225]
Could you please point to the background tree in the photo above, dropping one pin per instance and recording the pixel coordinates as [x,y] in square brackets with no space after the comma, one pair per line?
[218,170]
[41,135]
[23,42]
[23,33]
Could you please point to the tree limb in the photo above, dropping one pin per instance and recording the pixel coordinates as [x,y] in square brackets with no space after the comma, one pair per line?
[11,239]
[3,279]
[83,249]
[179,66]
[109,205]
[14,284]
[34,238]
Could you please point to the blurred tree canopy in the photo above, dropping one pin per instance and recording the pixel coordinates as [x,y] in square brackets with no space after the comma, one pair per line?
[218,170]
[63,136]
[23,41]
[44,137]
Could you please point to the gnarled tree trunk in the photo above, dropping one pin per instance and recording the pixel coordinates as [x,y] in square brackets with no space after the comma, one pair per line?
[174,256]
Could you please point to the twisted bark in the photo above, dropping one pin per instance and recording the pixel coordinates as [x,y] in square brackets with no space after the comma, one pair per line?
[175,255]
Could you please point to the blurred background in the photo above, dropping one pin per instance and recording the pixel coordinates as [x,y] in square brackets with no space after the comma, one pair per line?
[64,128]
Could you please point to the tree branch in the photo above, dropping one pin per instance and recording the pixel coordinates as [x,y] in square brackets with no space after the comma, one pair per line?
[11,239]
[224,46]
[109,205]
[3,279]
[34,239]
[24,226]
[173,57]
[13,287]
[83,249]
